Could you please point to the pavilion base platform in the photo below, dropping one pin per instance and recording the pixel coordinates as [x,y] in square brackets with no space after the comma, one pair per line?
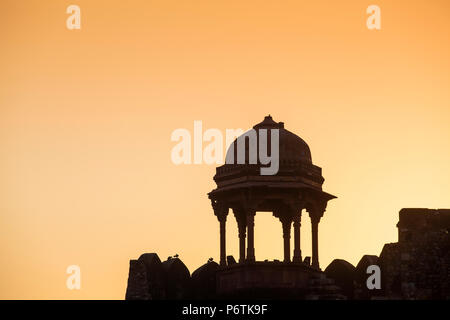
[274,280]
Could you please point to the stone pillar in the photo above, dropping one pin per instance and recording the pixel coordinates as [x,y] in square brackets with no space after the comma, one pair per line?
[223,252]
[297,249]
[221,212]
[250,240]
[315,241]
[242,232]
[286,222]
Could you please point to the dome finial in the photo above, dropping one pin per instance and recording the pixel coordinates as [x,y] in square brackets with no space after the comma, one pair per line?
[266,123]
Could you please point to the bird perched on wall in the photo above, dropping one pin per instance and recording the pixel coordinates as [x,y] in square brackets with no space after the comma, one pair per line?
[210,260]
[176,255]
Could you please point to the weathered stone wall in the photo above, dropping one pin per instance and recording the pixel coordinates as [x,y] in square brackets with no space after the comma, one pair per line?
[137,288]
[416,267]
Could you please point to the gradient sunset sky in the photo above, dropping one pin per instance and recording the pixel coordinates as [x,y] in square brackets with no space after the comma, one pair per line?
[86,117]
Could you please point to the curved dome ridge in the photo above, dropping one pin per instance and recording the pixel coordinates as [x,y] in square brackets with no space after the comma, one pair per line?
[292,148]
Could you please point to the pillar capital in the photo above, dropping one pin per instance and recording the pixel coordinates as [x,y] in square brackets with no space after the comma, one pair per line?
[222,218]
[315,219]
[250,218]
[242,225]
[286,222]
[316,208]
[220,209]
[286,228]
[296,206]
[250,211]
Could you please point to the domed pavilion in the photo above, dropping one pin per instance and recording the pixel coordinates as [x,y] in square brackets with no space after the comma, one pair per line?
[297,185]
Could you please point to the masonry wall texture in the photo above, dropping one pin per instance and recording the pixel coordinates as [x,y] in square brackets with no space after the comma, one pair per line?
[418,265]
[415,267]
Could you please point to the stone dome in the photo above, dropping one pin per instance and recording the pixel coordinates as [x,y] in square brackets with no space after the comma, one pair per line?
[292,148]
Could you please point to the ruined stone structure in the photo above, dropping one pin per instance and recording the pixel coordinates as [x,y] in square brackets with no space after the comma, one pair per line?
[296,186]
[416,267]
[151,279]
[242,189]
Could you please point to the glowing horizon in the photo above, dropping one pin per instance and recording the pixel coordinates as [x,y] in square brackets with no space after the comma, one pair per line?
[86,118]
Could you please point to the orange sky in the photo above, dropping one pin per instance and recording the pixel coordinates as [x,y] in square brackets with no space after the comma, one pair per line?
[86,118]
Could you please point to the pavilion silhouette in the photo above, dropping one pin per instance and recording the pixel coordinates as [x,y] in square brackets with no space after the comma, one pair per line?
[416,267]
